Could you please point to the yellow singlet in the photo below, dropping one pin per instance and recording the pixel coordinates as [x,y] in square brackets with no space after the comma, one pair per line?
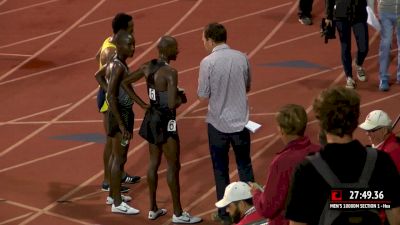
[106,44]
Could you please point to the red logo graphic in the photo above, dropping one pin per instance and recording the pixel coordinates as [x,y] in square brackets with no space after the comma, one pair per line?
[336,195]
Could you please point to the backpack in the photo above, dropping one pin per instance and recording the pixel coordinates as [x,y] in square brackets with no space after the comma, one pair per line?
[344,217]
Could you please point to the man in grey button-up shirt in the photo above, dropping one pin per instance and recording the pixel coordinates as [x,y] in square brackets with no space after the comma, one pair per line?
[224,80]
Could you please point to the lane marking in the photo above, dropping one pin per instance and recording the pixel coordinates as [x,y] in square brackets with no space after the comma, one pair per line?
[35,114]
[30,39]
[236,18]
[82,25]
[130,12]
[15,218]
[28,137]
[291,40]
[91,59]
[47,213]
[16,55]
[79,147]
[2,2]
[2,77]
[26,7]
[147,43]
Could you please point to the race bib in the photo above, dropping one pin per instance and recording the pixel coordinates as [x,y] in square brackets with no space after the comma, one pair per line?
[171,125]
[152,94]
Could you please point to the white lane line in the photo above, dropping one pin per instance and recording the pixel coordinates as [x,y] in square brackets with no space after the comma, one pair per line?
[60,122]
[130,12]
[16,55]
[24,206]
[35,114]
[30,39]
[53,41]
[2,2]
[46,71]
[40,129]
[380,100]
[236,18]
[15,218]
[79,147]
[94,177]
[27,7]
[147,43]
[291,40]
[28,137]
[83,25]
[59,67]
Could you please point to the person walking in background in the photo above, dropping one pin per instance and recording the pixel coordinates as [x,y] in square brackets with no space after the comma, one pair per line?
[305,8]
[389,16]
[224,80]
[270,201]
[378,127]
[350,15]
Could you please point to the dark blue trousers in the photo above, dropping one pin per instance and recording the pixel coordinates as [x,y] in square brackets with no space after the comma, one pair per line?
[219,144]
[360,30]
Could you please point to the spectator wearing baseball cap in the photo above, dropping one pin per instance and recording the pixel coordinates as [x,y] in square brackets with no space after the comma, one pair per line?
[239,204]
[378,126]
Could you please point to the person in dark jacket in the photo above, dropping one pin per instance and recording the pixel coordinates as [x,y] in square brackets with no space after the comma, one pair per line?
[350,15]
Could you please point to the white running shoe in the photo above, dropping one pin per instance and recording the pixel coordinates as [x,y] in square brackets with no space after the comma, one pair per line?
[186,218]
[154,215]
[125,198]
[350,83]
[361,74]
[124,209]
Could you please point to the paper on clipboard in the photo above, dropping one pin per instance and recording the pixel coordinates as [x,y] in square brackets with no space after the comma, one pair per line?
[252,126]
[372,20]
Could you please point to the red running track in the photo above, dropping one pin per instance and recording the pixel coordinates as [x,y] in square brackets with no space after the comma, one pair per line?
[47,89]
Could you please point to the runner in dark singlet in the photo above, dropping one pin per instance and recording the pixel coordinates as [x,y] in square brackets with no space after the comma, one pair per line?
[119,120]
[159,125]
[121,21]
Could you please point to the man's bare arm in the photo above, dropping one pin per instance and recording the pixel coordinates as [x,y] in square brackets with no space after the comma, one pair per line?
[126,85]
[112,96]
[100,76]
[172,84]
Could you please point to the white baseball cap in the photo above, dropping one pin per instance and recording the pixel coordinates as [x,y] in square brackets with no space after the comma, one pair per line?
[376,119]
[235,191]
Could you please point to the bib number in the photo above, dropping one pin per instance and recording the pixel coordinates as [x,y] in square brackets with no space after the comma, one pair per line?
[171,125]
[152,94]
